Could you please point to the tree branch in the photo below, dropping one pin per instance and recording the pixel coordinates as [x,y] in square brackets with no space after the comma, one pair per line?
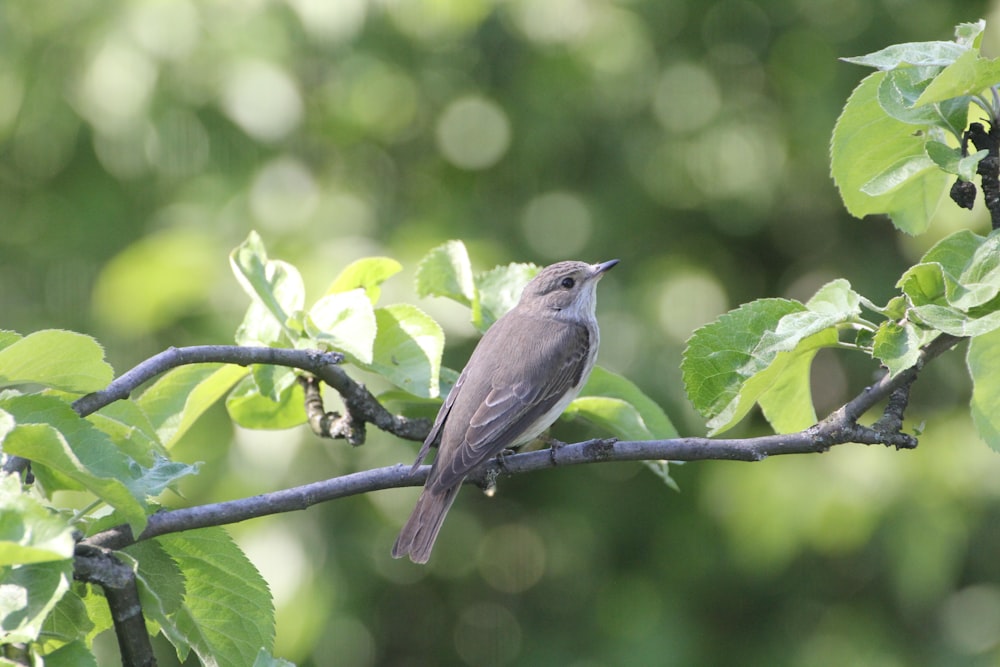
[100,566]
[840,427]
[122,387]
[361,405]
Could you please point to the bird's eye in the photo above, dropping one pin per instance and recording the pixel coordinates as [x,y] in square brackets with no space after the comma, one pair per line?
[568,283]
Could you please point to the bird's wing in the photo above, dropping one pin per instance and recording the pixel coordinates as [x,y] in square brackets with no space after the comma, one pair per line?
[442,415]
[540,371]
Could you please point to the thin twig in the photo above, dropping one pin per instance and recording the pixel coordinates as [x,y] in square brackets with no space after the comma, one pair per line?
[328,424]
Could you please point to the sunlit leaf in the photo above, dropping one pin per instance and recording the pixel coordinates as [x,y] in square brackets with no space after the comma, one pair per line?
[368,273]
[446,271]
[159,579]
[183,394]
[970,74]
[273,284]
[614,415]
[951,160]
[272,381]
[227,615]
[873,151]
[408,349]
[251,409]
[897,175]
[68,622]
[74,654]
[921,54]
[29,531]
[498,291]
[787,403]
[130,429]
[51,435]
[649,417]
[345,322]
[732,362]
[897,346]
[27,594]
[54,358]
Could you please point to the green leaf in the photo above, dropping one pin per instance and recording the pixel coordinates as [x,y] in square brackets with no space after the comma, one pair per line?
[649,421]
[900,90]
[181,395]
[898,93]
[499,290]
[717,353]
[952,161]
[227,615]
[159,580]
[74,654]
[344,322]
[51,435]
[983,360]
[96,606]
[63,360]
[28,593]
[731,363]
[836,299]
[130,429]
[446,271]
[954,251]
[873,151]
[251,409]
[787,403]
[161,475]
[613,414]
[272,381]
[897,346]
[901,96]
[920,54]
[66,623]
[970,74]
[368,273]
[408,349]
[29,531]
[273,284]
[955,286]
[897,175]
[953,321]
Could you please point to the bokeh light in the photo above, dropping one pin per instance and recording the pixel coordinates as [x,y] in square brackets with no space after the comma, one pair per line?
[473,133]
[557,224]
[262,98]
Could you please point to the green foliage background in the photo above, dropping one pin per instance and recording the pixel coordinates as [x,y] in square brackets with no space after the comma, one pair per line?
[141,141]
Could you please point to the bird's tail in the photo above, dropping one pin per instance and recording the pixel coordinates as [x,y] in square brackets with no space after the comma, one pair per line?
[416,539]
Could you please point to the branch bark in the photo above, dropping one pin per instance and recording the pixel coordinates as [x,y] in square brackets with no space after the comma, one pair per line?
[117,580]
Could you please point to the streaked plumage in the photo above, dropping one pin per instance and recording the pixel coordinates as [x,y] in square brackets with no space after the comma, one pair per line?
[523,373]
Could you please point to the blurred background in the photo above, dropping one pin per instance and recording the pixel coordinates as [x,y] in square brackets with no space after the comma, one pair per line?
[140,141]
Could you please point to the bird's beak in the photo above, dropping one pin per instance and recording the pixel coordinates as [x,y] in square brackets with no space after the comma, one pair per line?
[599,269]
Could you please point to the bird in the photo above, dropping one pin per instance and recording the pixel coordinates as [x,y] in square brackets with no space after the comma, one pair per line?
[522,374]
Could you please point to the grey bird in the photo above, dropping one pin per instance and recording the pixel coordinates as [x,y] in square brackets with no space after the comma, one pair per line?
[523,373]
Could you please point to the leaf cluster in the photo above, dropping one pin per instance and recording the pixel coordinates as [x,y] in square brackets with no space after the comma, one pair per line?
[901,138]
